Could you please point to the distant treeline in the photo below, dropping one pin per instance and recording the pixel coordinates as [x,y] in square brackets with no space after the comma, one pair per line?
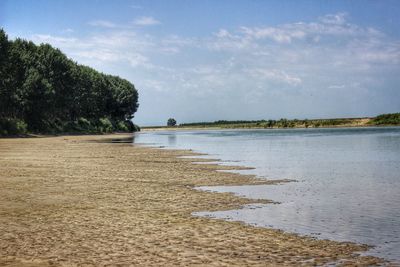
[42,91]
[385,119]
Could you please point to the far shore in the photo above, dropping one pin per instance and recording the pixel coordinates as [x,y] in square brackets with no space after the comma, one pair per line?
[391,119]
[90,201]
[187,128]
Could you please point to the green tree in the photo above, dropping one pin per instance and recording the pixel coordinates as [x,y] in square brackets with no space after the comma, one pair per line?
[171,122]
[306,123]
[4,45]
[44,91]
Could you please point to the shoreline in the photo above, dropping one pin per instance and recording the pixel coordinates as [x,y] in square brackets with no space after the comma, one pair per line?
[165,128]
[71,201]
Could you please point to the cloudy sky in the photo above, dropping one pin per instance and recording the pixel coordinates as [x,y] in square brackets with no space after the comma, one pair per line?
[211,60]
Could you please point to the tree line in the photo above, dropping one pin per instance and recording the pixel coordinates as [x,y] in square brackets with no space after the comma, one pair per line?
[381,120]
[43,91]
[387,119]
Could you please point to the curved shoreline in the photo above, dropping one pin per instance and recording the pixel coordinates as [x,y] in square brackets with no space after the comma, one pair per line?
[65,201]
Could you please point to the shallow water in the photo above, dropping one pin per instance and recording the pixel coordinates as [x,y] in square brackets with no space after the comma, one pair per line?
[348,180]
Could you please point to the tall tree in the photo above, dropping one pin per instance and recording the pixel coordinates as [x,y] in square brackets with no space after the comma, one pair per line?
[41,86]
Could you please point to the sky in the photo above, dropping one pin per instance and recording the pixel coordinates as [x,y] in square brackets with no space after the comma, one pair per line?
[229,59]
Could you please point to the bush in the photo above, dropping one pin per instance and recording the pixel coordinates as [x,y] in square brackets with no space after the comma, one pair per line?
[70,127]
[122,126]
[105,125]
[21,127]
[12,127]
[135,128]
[127,126]
[55,126]
[84,124]
[387,119]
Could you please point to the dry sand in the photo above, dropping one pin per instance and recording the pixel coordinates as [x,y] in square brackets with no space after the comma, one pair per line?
[69,201]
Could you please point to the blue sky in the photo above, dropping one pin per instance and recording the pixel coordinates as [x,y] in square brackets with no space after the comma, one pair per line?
[211,60]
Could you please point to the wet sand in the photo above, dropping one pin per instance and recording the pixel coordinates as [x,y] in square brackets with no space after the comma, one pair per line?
[73,201]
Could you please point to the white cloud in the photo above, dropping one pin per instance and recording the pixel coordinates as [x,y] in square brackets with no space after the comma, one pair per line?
[347,86]
[68,30]
[339,18]
[173,44]
[98,54]
[115,46]
[205,70]
[57,41]
[103,23]
[146,21]
[329,26]
[137,59]
[177,41]
[389,56]
[224,40]
[263,65]
[280,35]
[169,50]
[155,85]
[275,75]
[223,33]
[336,86]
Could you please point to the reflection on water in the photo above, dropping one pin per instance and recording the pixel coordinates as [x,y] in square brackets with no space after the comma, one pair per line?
[172,139]
[348,180]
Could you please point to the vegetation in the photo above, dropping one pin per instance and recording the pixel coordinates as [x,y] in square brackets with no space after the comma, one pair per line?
[42,91]
[282,123]
[385,119]
[171,122]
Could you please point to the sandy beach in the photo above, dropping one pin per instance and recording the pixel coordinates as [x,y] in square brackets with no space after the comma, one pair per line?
[84,201]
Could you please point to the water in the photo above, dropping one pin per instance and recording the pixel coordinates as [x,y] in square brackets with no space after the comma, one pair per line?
[348,180]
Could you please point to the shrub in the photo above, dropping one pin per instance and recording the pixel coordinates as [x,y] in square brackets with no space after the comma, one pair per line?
[135,127]
[55,126]
[131,127]
[122,126]
[84,125]
[21,127]
[388,119]
[12,127]
[105,125]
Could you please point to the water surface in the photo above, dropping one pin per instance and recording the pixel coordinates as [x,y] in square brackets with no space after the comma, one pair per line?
[348,179]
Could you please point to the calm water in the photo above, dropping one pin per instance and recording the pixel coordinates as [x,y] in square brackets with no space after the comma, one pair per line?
[348,180]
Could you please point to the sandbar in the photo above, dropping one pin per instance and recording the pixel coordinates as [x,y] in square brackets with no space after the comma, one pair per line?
[85,201]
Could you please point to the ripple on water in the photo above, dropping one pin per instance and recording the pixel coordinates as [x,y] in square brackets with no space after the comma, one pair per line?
[348,180]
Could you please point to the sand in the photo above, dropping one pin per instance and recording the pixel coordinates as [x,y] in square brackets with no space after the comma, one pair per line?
[73,201]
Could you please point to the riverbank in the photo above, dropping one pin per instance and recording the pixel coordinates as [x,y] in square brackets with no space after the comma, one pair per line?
[392,119]
[251,126]
[77,200]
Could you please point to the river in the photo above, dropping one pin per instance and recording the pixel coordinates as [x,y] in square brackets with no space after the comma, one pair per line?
[347,180]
